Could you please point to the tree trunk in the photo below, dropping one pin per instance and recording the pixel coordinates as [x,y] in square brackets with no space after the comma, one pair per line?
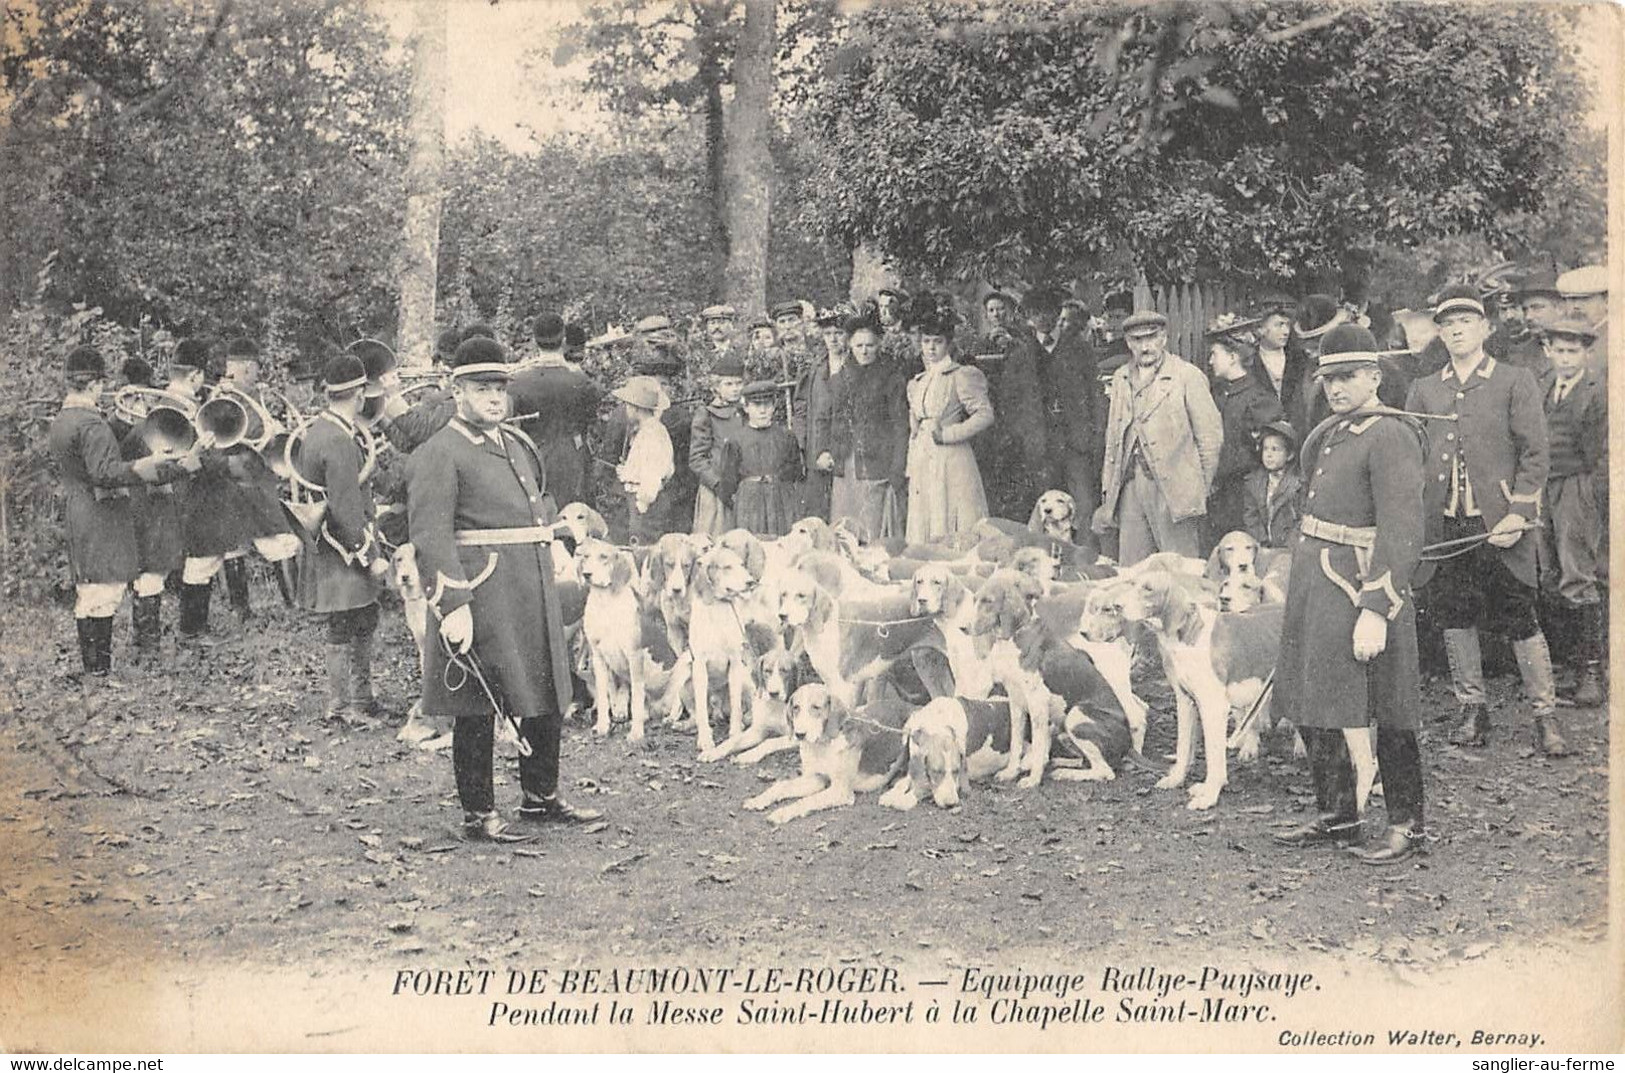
[711,38]
[870,272]
[424,172]
[749,161]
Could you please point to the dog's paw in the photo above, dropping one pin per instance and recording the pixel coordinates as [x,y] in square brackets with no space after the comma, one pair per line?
[1031,779]
[1247,751]
[601,728]
[757,804]
[636,737]
[902,802]
[1171,781]
[711,756]
[1204,795]
[780,817]
[1008,774]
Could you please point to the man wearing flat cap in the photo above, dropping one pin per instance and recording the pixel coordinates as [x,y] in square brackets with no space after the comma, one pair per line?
[1348,655]
[1572,555]
[721,325]
[1586,292]
[1487,466]
[482,523]
[1163,437]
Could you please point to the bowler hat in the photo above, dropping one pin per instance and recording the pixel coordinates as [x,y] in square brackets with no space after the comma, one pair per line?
[645,393]
[480,359]
[344,372]
[1145,322]
[136,372]
[1457,299]
[85,362]
[375,356]
[1043,300]
[1583,282]
[1280,427]
[1345,347]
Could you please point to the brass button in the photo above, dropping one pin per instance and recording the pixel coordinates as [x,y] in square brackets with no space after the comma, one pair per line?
[1311,494]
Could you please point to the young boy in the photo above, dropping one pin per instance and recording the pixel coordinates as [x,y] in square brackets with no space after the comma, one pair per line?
[647,464]
[713,425]
[1571,554]
[769,466]
[1245,407]
[1271,499]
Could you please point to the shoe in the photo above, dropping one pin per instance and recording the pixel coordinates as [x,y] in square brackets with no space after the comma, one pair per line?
[556,810]
[488,827]
[1588,689]
[1398,844]
[1322,832]
[1474,728]
[1549,736]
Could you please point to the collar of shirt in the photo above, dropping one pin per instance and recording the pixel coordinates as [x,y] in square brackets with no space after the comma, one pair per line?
[1565,384]
[1463,371]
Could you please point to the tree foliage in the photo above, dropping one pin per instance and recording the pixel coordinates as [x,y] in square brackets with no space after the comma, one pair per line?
[1266,141]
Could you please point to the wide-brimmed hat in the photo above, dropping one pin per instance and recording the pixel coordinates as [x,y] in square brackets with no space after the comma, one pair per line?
[1280,427]
[1145,322]
[1540,281]
[1457,299]
[1570,327]
[644,392]
[1231,327]
[481,359]
[1345,347]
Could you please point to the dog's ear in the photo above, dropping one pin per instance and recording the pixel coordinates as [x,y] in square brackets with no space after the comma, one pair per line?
[954,595]
[703,582]
[620,575]
[1013,609]
[822,611]
[1179,613]
[654,570]
[1035,520]
[596,526]
[755,557]
[1071,506]
[836,713]
[1215,562]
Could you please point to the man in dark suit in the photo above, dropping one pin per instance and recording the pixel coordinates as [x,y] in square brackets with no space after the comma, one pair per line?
[1067,374]
[556,405]
[1489,460]
[1013,454]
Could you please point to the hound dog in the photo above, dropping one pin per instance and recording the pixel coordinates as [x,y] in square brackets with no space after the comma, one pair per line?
[838,575]
[1100,634]
[946,600]
[1239,555]
[668,572]
[948,744]
[1004,612]
[584,524]
[620,634]
[777,674]
[720,637]
[1213,660]
[1055,515]
[843,753]
[849,641]
[1242,593]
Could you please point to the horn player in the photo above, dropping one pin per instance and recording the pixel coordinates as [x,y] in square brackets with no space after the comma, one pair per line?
[102,553]
[343,566]
[265,526]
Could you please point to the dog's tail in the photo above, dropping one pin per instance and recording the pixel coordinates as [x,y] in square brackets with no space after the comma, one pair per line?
[1137,758]
[900,764]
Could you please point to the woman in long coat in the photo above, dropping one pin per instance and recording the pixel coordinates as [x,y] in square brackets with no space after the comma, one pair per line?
[869,437]
[947,405]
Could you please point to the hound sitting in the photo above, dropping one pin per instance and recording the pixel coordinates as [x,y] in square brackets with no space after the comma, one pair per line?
[667,573]
[1214,661]
[849,642]
[769,729]
[720,638]
[618,637]
[944,598]
[1004,612]
[1100,636]
[1239,555]
[843,753]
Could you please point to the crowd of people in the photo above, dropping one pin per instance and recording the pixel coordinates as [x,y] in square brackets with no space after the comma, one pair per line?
[902,423]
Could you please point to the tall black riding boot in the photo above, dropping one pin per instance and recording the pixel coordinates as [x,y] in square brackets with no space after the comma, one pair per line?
[1399,762]
[237,587]
[1593,646]
[1333,775]
[86,628]
[194,618]
[101,646]
[147,623]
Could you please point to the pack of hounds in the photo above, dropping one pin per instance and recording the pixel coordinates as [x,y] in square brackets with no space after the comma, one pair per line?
[914,671]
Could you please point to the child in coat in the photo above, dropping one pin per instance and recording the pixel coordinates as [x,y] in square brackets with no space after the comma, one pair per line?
[713,425]
[770,469]
[1272,501]
[1246,407]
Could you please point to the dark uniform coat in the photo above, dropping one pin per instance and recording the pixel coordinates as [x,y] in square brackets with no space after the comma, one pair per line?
[463,480]
[565,402]
[1013,454]
[1501,434]
[213,513]
[814,412]
[405,434]
[261,493]
[1363,470]
[97,482]
[156,509]
[333,574]
[1073,408]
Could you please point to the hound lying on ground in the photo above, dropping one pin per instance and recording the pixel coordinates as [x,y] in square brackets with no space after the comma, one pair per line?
[843,753]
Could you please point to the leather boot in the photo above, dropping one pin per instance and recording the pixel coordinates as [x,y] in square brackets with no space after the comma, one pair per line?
[1399,766]
[86,629]
[1333,775]
[338,681]
[101,640]
[194,617]
[146,620]
[1466,666]
[236,571]
[1589,692]
[363,705]
[1397,844]
[1474,728]
[1535,668]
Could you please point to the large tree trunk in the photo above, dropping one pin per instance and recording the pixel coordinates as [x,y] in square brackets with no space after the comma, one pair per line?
[424,171]
[749,161]
[711,38]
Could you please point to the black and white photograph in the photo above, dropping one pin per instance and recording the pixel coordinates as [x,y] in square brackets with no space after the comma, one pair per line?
[808,526]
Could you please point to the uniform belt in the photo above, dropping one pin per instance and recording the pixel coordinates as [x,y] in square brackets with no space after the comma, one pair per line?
[525,534]
[110,493]
[764,479]
[1355,536]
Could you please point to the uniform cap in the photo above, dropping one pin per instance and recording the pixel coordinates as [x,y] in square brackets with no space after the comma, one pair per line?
[480,358]
[344,372]
[1345,347]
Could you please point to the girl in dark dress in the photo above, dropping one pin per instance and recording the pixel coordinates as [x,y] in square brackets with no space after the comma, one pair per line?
[770,467]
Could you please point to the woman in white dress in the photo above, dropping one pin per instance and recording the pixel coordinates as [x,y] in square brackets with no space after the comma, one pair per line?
[947,406]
